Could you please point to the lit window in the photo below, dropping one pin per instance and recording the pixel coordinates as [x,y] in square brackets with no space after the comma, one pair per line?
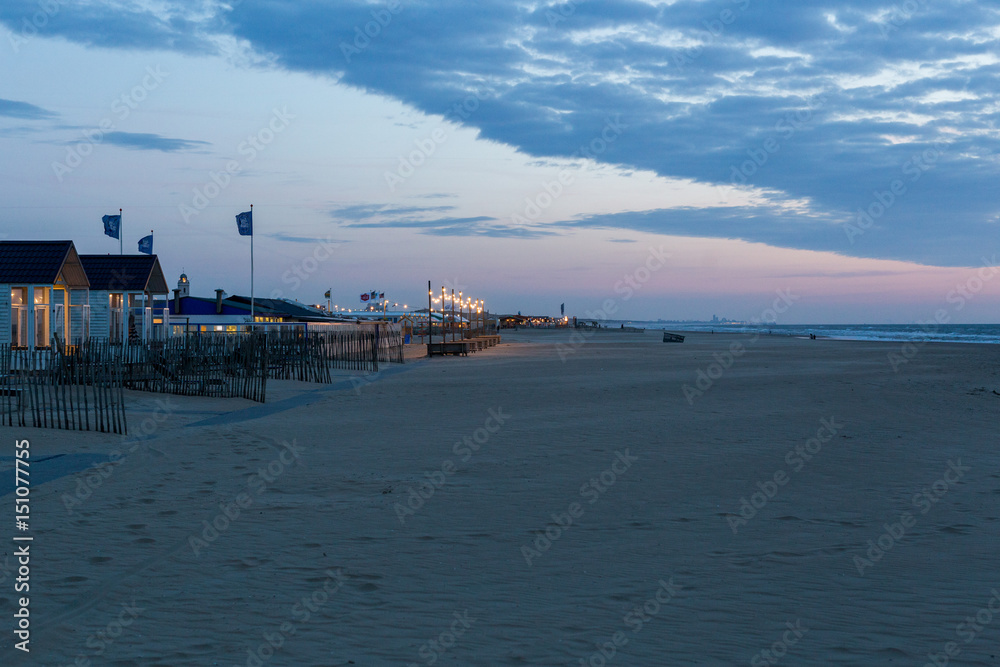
[41,299]
[19,316]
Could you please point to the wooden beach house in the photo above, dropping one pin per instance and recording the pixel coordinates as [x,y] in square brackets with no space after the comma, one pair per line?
[128,297]
[44,294]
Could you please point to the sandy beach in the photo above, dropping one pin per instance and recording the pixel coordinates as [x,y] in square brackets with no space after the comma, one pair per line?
[604,499]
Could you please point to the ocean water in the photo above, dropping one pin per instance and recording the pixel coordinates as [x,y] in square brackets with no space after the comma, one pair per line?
[946,333]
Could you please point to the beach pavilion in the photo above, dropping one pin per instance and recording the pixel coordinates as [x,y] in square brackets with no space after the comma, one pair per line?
[124,291]
[44,293]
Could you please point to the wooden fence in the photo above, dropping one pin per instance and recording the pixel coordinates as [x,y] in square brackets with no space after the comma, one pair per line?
[312,357]
[223,366]
[81,387]
[51,388]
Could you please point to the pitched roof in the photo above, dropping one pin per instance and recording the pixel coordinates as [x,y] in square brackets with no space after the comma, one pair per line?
[40,262]
[126,273]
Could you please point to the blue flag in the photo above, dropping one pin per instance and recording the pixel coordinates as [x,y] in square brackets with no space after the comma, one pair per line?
[244,222]
[112,225]
[146,244]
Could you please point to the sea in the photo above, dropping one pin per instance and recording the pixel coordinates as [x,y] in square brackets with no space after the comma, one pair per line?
[945,333]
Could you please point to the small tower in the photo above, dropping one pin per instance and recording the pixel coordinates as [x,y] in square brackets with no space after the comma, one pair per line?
[183,286]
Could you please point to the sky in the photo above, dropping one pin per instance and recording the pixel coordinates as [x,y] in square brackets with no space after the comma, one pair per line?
[636,159]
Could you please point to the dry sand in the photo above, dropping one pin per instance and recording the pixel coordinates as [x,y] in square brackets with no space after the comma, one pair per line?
[319,563]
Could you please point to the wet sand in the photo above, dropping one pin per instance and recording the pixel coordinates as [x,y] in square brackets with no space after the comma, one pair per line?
[334,558]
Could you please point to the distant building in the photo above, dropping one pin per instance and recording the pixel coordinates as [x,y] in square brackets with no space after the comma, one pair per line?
[44,293]
[231,314]
[195,314]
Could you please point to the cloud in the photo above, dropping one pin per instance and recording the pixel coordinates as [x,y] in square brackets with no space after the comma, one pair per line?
[151,142]
[24,110]
[827,102]
[289,238]
[427,220]
[367,211]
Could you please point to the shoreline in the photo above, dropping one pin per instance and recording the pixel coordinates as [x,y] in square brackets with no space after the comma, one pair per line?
[656,333]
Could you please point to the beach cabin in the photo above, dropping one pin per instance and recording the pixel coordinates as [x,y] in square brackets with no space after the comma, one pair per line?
[44,294]
[128,297]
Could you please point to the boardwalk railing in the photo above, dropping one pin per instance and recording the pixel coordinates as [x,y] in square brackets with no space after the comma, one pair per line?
[77,390]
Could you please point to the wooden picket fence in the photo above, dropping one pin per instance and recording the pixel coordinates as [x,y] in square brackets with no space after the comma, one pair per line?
[80,389]
[223,366]
[313,356]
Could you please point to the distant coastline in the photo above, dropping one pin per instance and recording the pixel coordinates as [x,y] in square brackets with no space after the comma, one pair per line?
[946,333]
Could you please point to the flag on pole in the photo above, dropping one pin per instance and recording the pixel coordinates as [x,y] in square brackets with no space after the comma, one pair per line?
[327,295]
[562,309]
[146,243]
[112,225]
[381,295]
[373,295]
[244,223]
[365,297]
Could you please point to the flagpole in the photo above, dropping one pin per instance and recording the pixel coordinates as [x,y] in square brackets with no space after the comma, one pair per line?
[121,232]
[251,266]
